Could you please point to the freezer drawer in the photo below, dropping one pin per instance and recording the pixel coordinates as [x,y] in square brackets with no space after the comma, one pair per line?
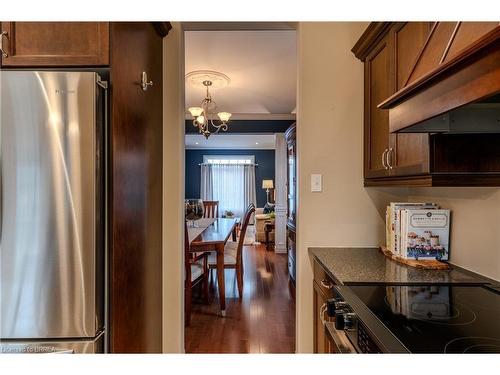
[50,267]
[55,347]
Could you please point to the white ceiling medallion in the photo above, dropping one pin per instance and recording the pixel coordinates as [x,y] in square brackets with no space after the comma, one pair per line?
[203,116]
[197,78]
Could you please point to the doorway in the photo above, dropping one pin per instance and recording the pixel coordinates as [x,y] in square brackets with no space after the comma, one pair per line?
[251,69]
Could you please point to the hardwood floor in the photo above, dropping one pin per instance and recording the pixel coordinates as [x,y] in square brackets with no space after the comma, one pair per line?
[262,322]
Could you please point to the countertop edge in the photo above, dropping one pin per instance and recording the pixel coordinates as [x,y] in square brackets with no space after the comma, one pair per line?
[311,250]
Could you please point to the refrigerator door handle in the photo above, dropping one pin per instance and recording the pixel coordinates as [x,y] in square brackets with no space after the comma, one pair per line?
[1,190]
[105,86]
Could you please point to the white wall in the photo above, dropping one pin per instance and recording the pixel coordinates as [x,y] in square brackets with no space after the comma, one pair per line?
[475,231]
[330,142]
[173,185]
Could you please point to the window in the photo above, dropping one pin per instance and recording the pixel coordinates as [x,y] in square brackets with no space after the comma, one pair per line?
[229,179]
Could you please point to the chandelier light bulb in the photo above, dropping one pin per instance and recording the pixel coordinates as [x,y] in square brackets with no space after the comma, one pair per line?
[200,120]
[224,116]
[195,111]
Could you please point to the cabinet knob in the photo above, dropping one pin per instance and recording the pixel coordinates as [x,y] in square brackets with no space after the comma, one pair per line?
[2,50]
[326,284]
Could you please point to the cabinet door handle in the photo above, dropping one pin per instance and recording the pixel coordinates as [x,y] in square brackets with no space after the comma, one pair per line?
[384,159]
[389,157]
[322,311]
[145,84]
[326,284]
[2,51]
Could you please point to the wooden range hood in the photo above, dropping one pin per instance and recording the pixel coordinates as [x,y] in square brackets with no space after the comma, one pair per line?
[458,64]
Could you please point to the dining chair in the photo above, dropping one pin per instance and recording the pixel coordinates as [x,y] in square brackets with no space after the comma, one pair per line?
[211,209]
[233,252]
[196,272]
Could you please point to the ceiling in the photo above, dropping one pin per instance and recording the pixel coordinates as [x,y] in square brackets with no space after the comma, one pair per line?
[231,141]
[261,65]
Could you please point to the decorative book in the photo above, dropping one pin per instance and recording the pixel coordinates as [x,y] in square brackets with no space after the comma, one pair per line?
[425,233]
[393,223]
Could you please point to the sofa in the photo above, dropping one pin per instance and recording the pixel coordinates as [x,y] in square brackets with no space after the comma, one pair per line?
[260,220]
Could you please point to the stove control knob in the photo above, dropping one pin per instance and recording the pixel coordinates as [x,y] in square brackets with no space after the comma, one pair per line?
[349,320]
[340,305]
[334,304]
[339,319]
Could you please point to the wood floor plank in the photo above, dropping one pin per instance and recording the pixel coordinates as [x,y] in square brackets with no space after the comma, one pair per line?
[262,322]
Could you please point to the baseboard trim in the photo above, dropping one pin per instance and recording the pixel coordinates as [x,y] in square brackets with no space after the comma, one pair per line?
[280,249]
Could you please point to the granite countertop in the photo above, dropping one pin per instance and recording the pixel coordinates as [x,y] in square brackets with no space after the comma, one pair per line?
[368,265]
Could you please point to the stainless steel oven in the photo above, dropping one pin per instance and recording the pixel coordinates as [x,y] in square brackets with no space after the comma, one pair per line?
[354,328]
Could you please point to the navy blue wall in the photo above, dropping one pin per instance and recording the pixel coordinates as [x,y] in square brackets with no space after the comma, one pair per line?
[265,170]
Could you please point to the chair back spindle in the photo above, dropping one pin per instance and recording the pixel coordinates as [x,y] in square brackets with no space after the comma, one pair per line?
[211,209]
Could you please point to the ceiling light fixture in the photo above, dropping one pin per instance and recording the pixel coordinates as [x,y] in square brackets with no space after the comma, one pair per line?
[203,117]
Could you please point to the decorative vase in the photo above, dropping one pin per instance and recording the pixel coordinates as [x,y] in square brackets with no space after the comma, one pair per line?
[194,210]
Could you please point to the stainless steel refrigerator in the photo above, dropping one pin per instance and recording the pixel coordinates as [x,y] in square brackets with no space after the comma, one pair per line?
[52,258]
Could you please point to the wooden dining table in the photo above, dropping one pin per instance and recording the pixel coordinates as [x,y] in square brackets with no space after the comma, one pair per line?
[214,238]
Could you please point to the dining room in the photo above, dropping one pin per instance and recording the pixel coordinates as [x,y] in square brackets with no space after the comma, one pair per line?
[239,288]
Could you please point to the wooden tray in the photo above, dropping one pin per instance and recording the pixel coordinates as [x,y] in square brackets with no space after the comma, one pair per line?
[426,264]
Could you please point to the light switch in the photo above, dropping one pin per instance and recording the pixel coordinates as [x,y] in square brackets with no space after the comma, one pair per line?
[316,183]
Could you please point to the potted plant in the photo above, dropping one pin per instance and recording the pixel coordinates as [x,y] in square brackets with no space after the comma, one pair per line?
[229,214]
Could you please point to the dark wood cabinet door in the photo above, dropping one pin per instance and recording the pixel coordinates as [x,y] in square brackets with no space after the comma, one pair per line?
[323,289]
[47,44]
[323,343]
[319,329]
[408,153]
[136,199]
[379,85]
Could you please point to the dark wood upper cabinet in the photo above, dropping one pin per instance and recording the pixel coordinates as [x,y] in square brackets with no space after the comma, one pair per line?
[408,39]
[52,44]
[400,56]
[457,65]
[408,153]
[379,83]
[444,43]
[387,67]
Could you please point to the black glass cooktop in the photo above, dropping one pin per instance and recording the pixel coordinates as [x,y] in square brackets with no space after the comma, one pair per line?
[437,319]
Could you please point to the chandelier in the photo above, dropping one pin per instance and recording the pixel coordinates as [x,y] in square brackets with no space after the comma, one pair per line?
[204,116]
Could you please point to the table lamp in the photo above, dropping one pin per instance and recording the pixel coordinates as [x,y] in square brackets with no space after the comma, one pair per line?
[268,184]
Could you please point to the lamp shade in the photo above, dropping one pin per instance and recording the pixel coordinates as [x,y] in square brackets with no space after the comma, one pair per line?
[195,111]
[224,116]
[267,184]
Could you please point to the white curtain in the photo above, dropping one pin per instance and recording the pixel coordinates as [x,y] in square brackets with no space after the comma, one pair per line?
[233,185]
[206,192]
